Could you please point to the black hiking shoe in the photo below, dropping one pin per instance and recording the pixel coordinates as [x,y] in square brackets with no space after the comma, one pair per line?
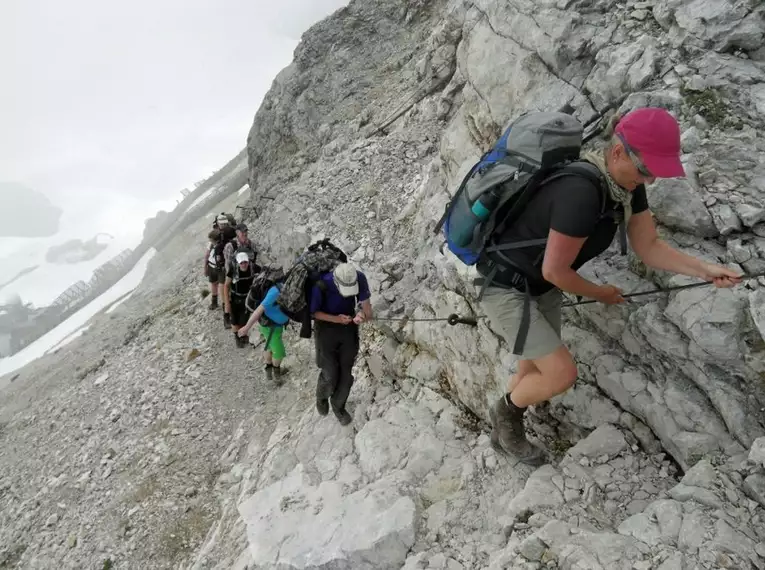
[226,320]
[343,416]
[241,341]
[322,406]
[279,373]
[214,303]
[507,433]
[269,372]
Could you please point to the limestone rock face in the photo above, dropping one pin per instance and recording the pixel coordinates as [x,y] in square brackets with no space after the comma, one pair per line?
[293,524]
[365,142]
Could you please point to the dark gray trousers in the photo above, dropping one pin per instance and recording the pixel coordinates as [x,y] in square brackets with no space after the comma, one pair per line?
[336,349]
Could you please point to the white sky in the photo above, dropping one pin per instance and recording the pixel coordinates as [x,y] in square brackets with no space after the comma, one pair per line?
[132,101]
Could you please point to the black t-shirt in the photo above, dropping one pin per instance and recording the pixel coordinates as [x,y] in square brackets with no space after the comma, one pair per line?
[241,280]
[570,205]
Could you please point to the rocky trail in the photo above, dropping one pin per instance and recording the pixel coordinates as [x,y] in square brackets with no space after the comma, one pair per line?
[121,461]
[112,448]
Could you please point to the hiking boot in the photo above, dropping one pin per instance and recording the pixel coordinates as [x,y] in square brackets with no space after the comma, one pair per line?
[241,341]
[279,373]
[214,303]
[269,372]
[342,416]
[507,432]
[322,406]
[226,320]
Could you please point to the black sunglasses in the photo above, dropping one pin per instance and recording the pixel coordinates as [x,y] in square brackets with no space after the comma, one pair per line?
[635,159]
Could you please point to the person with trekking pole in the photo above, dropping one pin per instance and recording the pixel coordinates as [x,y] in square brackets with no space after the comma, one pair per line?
[569,219]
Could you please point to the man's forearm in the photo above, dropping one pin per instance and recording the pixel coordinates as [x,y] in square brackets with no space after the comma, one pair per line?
[322,316]
[663,256]
[570,281]
[366,307]
[226,298]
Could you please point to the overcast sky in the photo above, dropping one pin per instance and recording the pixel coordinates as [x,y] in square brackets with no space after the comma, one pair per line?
[135,100]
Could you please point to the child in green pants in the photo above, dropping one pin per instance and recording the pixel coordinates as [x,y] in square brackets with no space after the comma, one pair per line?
[271,320]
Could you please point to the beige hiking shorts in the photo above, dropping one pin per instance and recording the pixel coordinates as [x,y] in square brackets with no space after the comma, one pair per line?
[504,308]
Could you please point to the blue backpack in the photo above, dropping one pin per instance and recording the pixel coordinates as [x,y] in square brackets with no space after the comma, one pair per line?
[535,149]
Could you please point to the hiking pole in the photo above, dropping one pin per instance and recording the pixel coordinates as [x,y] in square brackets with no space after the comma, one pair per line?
[662,290]
[453,319]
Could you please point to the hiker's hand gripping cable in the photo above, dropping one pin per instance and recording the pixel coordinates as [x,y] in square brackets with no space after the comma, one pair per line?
[658,254]
[363,312]
[337,319]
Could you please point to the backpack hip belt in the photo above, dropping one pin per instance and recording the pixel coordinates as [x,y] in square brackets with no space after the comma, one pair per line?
[519,282]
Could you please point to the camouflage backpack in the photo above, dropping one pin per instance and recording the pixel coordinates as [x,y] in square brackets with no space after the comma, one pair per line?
[319,258]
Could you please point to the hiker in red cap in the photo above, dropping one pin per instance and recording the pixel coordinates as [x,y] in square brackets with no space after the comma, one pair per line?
[569,212]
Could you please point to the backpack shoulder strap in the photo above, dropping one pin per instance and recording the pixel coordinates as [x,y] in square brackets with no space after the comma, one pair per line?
[593,173]
[587,170]
[578,168]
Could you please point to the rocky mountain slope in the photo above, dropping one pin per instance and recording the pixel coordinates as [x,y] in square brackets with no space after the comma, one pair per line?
[130,447]
[688,365]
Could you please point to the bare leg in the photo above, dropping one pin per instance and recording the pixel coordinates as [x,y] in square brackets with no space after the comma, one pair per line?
[555,373]
[536,381]
[524,367]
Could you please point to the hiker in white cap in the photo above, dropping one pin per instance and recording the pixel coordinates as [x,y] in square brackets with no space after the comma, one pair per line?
[239,279]
[339,304]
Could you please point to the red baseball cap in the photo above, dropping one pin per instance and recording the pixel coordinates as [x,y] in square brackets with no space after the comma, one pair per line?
[655,135]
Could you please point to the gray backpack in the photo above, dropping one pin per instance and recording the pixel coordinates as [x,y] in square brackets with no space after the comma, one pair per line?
[536,148]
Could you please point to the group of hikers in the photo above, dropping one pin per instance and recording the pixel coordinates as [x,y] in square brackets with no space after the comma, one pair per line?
[322,287]
[528,215]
